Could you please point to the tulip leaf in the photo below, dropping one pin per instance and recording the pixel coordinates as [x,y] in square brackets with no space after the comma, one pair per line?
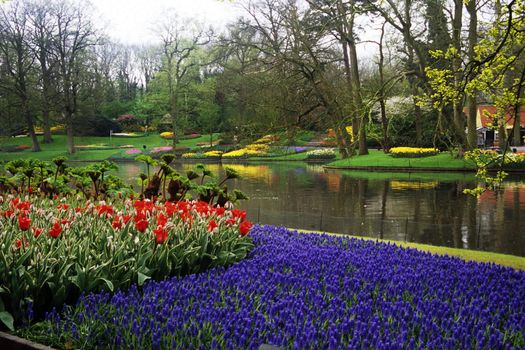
[142,278]
[7,320]
[108,284]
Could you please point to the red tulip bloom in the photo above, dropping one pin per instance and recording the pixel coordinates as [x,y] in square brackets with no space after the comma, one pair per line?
[219,211]
[139,217]
[37,231]
[161,235]
[230,222]
[245,227]
[55,230]
[171,208]
[212,225]
[63,206]
[126,218]
[104,210]
[239,214]
[116,224]
[141,225]
[203,208]
[24,222]
[18,243]
[162,220]
[23,206]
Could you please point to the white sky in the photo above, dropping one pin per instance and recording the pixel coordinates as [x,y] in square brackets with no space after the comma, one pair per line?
[133,21]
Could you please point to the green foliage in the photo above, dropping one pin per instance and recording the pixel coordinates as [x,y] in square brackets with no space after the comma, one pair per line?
[489,161]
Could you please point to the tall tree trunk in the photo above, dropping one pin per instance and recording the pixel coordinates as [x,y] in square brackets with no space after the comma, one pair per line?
[356,85]
[30,126]
[174,117]
[354,116]
[382,97]
[70,133]
[472,136]
[459,119]
[46,86]
[517,130]
[502,133]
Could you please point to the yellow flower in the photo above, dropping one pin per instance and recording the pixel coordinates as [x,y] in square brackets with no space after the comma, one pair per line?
[166,135]
[214,153]
[413,151]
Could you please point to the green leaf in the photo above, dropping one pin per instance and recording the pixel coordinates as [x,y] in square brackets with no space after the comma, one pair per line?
[108,283]
[142,278]
[7,320]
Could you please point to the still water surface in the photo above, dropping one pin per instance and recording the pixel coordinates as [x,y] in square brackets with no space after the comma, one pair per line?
[418,207]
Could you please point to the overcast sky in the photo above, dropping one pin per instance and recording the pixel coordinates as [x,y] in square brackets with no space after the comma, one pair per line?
[132,21]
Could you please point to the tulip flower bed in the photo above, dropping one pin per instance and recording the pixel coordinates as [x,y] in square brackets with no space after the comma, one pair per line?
[54,250]
[307,291]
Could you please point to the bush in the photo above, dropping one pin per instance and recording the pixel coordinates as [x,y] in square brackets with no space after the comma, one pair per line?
[58,129]
[95,126]
[325,154]
[412,152]
[54,250]
[192,155]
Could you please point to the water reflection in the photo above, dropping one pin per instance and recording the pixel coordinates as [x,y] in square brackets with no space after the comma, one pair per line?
[427,207]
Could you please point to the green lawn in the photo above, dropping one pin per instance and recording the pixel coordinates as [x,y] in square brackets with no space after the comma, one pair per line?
[58,147]
[516,262]
[408,176]
[378,159]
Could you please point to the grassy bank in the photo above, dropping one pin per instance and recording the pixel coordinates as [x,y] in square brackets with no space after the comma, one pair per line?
[516,262]
[378,159]
[59,146]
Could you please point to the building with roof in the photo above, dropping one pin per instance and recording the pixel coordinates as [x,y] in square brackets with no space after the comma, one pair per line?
[487,133]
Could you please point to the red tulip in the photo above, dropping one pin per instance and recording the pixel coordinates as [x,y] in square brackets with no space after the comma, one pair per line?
[24,223]
[161,235]
[219,211]
[104,210]
[116,224]
[212,225]
[37,231]
[239,214]
[63,206]
[245,227]
[141,225]
[18,243]
[162,220]
[55,230]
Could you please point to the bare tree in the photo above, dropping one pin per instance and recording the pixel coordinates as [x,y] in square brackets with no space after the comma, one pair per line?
[18,60]
[148,58]
[42,29]
[74,34]
[180,41]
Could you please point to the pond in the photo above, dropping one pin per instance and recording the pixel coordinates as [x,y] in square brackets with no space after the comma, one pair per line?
[416,207]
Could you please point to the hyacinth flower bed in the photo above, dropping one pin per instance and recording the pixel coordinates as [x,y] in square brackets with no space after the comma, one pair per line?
[52,250]
[307,291]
